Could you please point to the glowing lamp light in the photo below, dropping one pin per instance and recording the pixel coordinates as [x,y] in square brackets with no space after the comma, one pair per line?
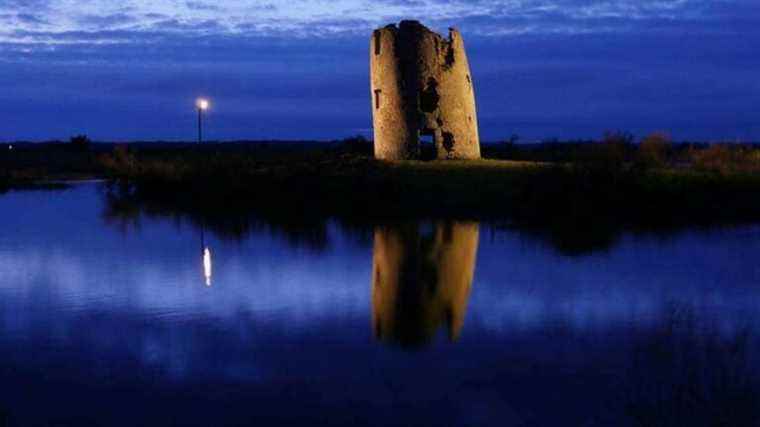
[203,105]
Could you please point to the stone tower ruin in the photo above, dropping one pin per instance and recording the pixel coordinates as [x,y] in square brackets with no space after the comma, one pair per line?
[422,87]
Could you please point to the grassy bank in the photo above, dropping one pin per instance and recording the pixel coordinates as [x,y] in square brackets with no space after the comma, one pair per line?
[47,165]
[579,196]
[606,183]
[338,181]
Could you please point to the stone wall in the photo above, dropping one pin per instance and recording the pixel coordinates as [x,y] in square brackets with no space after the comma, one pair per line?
[421,85]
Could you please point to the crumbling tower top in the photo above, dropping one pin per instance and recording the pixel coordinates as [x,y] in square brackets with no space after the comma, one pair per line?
[422,87]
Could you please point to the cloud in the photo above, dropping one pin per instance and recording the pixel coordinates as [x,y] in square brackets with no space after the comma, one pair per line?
[304,18]
[198,5]
[28,18]
[107,21]
[564,68]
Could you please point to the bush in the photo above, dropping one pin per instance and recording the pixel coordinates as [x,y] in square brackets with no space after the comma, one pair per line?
[726,158]
[80,142]
[654,150]
[120,163]
[607,156]
[358,145]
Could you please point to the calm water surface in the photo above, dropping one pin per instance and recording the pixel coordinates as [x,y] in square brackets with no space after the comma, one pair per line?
[145,318]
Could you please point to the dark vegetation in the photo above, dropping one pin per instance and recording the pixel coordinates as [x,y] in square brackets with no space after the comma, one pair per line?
[691,373]
[579,187]
[47,165]
[655,181]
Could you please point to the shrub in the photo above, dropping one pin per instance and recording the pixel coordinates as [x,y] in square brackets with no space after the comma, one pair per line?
[358,145]
[726,158]
[121,162]
[607,156]
[714,158]
[80,142]
[654,150]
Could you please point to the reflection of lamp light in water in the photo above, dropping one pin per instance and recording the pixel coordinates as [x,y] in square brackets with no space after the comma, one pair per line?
[207,265]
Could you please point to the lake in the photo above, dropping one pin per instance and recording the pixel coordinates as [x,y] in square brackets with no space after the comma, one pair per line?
[115,314]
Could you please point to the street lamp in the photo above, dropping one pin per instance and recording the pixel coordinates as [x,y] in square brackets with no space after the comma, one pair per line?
[202,105]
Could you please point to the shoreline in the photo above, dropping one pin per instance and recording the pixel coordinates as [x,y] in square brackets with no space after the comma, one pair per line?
[601,183]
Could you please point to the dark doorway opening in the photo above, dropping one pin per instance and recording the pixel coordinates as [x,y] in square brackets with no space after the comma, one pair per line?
[427,146]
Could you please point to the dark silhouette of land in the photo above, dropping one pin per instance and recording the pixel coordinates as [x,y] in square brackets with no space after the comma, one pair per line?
[586,186]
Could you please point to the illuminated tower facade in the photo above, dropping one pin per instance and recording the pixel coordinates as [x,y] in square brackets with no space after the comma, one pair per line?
[421,87]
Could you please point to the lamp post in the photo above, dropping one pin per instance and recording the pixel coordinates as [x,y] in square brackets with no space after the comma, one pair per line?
[202,105]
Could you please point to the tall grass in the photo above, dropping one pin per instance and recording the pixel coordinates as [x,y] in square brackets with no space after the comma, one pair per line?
[604,184]
[617,151]
[655,151]
[614,180]
[726,159]
[691,373]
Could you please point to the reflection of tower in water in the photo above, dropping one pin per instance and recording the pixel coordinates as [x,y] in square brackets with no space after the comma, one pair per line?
[421,281]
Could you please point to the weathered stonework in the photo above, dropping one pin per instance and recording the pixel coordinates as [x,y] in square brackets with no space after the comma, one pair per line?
[421,85]
[422,281]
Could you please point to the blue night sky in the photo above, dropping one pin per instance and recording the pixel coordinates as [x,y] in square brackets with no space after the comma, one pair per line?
[298,69]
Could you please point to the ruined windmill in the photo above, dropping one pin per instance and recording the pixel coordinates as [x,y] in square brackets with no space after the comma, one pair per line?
[422,87]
